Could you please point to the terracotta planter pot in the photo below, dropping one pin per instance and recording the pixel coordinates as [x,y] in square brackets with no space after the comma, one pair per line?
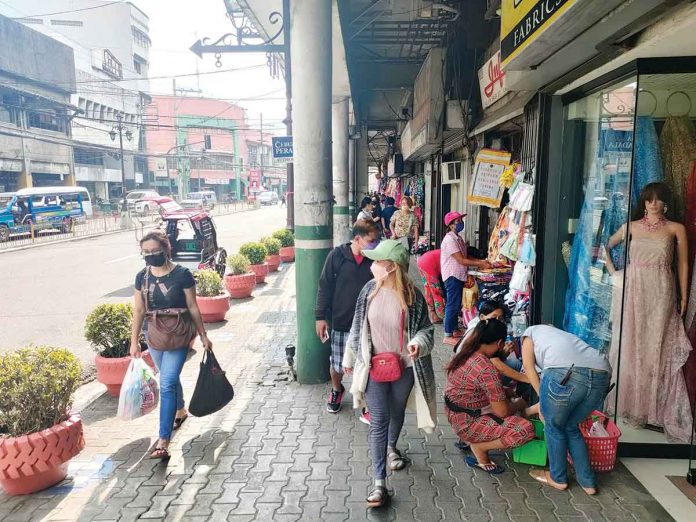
[39,460]
[240,286]
[273,262]
[111,371]
[261,272]
[213,309]
[287,254]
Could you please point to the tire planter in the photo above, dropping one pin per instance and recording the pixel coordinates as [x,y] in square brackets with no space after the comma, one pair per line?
[261,272]
[39,460]
[214,309]
[240,286]
[287,254]
[273,262]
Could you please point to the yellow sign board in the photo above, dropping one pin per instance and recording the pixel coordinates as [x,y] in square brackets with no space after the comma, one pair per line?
[522,21]
[485,186]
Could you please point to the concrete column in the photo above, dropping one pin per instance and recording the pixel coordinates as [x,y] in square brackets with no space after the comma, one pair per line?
[340,141]
[25,180]
[352,147]
[310,37]
[361,163]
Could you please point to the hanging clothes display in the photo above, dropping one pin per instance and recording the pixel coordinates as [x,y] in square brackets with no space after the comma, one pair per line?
[647,159]
[690,218]
[678,144]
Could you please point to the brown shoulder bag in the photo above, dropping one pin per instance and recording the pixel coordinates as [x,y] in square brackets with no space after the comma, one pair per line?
[168,329]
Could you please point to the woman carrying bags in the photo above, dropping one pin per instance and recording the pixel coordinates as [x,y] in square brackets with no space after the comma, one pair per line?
[168,290]
[575,381]
[389,352]
[476,404]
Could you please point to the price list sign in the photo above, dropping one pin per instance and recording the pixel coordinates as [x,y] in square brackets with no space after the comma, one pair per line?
[485,186]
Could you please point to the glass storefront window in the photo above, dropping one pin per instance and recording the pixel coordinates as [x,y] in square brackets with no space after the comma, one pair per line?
[631,288]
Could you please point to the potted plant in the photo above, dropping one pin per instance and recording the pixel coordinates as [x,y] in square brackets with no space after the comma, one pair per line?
[240,282]
[108,329]
[287,240]
[213,301]
[256,254]
[273,247]
[38,432]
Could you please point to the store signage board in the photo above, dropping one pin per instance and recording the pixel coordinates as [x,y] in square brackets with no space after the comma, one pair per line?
[282,146]
[485,185]
[492,81]
[523,21]
[161,167]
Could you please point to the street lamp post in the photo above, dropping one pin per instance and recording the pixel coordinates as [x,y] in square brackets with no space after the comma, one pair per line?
[118,129]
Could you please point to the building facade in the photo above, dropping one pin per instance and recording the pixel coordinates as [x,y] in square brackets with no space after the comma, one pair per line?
[37,80]
[111,45]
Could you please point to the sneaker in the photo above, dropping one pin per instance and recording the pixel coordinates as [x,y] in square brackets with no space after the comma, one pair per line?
[365,417]
[335,398]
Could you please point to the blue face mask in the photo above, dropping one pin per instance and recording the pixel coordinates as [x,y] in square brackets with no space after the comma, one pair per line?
[459,227]
[372,245]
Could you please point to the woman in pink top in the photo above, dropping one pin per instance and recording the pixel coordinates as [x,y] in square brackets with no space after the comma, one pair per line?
[429,268]
[453,264]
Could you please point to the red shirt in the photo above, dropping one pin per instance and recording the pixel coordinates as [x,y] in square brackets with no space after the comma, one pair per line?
[430,263]
[475,384]
[358,258]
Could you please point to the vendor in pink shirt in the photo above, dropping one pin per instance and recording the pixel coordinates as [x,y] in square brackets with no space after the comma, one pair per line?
[454,265]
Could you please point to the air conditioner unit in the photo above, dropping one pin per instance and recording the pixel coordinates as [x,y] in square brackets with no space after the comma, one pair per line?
[451,172]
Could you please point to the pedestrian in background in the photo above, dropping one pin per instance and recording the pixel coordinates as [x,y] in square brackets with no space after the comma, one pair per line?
[575,382]
[344,275]
[377,213]
[366,209]
[391,317]
[404,225]
[454,265]
[429,268]
[476,404]
[166,286]
[387,213]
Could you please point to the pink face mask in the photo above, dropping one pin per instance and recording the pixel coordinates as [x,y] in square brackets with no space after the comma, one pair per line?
[380,272]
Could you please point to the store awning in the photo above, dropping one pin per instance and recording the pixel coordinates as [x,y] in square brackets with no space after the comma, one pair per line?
[512,106]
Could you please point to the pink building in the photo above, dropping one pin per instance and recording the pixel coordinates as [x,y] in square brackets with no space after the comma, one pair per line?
[197,144]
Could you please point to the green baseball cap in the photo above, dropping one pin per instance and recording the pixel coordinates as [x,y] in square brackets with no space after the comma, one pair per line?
[389,250]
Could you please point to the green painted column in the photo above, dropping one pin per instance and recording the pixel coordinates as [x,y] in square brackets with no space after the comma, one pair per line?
[310,37]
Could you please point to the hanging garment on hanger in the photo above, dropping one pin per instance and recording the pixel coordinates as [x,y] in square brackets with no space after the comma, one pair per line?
[678,144]
[690,218]
[647,159]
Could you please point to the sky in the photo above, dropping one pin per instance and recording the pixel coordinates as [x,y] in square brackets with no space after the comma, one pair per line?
[175,25]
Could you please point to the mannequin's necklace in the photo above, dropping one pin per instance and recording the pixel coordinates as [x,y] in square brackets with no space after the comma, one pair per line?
[653,227]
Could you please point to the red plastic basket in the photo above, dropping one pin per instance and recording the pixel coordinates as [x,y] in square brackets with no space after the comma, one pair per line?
[601,450]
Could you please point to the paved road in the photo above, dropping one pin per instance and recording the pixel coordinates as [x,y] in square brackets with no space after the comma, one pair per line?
[48,291]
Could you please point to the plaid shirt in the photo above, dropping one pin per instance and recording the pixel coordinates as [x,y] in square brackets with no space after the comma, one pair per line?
[452,244]
[475,384]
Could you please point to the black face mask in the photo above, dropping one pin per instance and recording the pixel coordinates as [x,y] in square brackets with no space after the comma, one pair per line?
[155,259]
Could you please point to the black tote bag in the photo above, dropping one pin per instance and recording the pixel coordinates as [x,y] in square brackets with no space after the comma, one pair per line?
[213,391]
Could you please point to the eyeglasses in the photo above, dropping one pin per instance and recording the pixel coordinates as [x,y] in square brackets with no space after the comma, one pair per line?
[146,253]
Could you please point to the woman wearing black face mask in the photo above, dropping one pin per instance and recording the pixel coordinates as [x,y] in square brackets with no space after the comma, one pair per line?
[476,404]
[167,286]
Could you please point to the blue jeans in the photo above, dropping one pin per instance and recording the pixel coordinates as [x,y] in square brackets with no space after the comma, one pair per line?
[453,304]
[387,404]
[563,408]
[169,364]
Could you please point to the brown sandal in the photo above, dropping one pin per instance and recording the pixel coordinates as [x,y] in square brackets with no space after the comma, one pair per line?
[160,453]
[543,476]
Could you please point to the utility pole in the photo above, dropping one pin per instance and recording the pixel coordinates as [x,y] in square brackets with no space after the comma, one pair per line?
[118,131]
[261,155]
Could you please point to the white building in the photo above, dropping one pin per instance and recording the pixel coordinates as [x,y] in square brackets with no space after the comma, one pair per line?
[111,48]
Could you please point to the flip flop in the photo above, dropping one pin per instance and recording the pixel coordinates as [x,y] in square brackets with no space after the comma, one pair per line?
[544,479]
[160,454]
[179,421]
[462,446]
[494,470]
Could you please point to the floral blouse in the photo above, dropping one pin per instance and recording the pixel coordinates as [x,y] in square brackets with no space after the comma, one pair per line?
[403,223]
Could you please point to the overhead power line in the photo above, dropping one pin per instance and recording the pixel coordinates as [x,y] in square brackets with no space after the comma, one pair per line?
[74,10]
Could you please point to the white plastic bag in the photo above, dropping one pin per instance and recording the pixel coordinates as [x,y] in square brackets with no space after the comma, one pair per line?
[597,429]
[521,277]
[139,392]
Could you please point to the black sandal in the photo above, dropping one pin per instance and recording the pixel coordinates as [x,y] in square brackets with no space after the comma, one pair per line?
[178,421]
[160,453]
[377,497]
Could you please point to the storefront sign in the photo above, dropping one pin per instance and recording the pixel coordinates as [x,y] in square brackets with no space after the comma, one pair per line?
[161,167]
[216,181]
[522,21]
[492,81]
[485,187]
[282,147]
